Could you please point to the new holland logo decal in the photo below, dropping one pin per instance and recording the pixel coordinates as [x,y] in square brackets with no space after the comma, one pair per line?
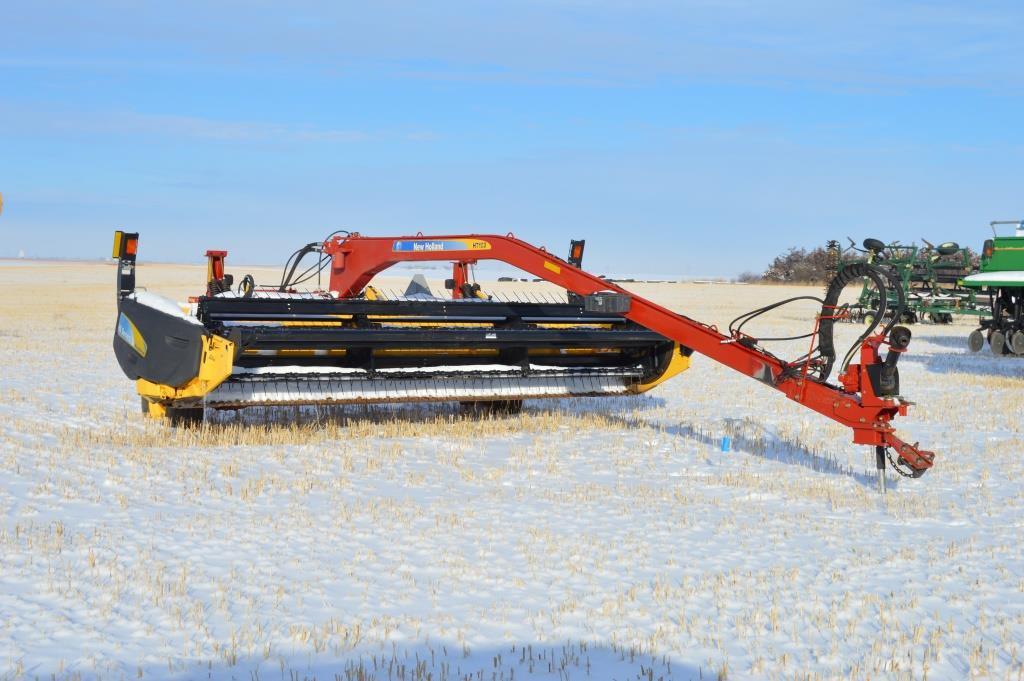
[130,335]
[435,245]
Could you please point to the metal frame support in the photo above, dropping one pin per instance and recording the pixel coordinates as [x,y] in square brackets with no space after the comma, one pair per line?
[880,465]
[214,270]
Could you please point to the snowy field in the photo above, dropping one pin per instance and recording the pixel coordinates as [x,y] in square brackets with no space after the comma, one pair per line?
[585,539]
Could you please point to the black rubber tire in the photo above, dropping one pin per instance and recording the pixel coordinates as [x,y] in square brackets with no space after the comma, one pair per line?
[1015,343]
[997,343]
[185,417]
[976,341]
[874,245]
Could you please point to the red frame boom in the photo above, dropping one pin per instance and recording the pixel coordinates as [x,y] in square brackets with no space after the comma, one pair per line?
[356,259]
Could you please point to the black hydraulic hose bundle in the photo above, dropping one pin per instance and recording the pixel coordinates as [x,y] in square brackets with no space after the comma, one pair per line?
[288,278]
[826,345]
[735,328]
[825,356]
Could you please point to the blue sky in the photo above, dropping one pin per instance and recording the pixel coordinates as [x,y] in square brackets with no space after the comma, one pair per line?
[689,138]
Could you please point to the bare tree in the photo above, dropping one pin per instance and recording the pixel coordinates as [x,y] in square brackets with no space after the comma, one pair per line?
[798,265]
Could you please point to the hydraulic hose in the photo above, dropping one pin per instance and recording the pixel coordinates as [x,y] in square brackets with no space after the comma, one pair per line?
[288,277]
[826,343]
[293,263]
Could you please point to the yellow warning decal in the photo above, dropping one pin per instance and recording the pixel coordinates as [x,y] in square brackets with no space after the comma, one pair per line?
[552,266]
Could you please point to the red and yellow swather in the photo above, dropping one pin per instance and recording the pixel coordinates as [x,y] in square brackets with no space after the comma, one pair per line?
[866,401]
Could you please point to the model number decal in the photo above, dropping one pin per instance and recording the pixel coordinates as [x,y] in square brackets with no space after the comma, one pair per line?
[435,245]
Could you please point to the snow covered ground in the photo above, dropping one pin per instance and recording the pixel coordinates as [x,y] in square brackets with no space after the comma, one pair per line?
[586,539]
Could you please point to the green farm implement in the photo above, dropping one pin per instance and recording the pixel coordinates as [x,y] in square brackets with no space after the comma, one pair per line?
[930,278]
[1001,277]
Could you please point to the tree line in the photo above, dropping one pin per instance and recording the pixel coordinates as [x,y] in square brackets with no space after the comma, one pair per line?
[802,266]
[796,265]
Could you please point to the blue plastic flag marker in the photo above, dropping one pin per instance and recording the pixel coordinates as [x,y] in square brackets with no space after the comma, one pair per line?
[726,443]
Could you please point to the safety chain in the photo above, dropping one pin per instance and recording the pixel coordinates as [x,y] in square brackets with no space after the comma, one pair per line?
[896,467]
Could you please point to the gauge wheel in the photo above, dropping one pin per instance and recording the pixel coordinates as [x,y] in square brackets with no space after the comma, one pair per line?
[997,343]
[1015,342]
[976,341]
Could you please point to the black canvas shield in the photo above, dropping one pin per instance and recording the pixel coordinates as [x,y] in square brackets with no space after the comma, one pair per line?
[158,347]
